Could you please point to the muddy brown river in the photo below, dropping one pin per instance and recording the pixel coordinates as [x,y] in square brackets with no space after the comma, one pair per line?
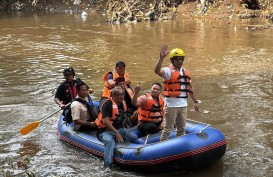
[230,62]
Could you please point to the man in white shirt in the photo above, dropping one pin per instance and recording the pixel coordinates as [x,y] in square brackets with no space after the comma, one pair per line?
[177,87]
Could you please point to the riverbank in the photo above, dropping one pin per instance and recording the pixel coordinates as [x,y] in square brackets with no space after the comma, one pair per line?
[147,10]
[226,9]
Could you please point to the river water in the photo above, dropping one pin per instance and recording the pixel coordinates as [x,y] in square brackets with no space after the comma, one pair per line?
[230,63]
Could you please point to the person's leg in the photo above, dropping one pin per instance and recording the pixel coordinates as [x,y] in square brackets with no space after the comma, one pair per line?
[140,127]
[181,121]
[169,117]
[109,140]
[127,135]
[148,128]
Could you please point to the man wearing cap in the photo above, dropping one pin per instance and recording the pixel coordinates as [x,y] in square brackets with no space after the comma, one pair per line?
[66,91]
[110,78]
[110,81]
[177,87]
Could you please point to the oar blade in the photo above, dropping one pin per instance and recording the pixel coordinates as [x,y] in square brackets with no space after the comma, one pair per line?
[30,127]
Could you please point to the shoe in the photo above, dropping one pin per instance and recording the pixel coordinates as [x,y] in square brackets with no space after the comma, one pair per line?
[107,170]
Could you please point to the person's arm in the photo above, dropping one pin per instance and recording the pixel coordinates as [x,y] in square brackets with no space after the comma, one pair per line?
[158,67]
[59,93]
[60,103]
[110,80]
[135,97]
[109,126]
[194,99]
[75,111]
[127,80]
[161,126]
[84,123]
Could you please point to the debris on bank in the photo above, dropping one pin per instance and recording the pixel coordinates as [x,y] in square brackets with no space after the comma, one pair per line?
[127,11]
[136,11]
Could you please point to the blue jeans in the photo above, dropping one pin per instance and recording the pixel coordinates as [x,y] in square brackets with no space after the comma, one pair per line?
[109,140]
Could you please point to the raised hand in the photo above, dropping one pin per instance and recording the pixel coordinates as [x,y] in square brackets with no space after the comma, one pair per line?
[164,51]
[137,88]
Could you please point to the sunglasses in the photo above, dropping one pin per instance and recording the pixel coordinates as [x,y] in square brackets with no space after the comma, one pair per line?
[179,59]
[121,67]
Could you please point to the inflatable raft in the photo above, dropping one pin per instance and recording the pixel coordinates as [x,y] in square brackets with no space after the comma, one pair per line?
[201,146]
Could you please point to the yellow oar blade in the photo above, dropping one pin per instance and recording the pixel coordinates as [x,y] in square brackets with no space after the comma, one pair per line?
[25,130]
[30,127]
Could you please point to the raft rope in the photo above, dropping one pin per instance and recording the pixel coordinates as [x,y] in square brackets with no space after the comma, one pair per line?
[146,139]
[198,122]
[207,125]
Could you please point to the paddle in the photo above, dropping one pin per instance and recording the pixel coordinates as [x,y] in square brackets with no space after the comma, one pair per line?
[30,127]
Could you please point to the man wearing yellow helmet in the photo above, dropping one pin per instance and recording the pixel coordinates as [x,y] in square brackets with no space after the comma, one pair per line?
[177,87]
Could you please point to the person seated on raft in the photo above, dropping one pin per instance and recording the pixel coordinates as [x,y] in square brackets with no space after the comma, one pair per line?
[120,81]
[112,79]
[83,114]
[111,125]
[150,109]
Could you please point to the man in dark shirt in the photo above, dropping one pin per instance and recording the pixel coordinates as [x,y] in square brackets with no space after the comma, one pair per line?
[111,124]
[66,91]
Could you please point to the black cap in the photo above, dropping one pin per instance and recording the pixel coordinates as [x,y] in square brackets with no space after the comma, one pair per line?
[69,70]
[80,83]
[120,63]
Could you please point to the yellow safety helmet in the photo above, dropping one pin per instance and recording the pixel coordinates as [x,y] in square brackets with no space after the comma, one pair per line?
[177,52]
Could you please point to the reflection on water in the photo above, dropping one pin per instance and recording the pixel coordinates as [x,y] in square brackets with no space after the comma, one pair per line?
[231,67]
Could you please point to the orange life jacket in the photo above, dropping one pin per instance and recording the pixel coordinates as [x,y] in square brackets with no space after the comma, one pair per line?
[172,87]
[99,120]
[150,111]
[107,88]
